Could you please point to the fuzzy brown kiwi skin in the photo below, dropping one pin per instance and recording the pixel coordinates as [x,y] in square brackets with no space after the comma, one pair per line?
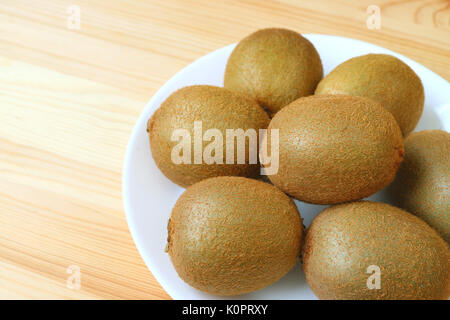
[422,182]
[233,235]
[344,240]
[274,67]
[335,148]
[383,78]
[217,108]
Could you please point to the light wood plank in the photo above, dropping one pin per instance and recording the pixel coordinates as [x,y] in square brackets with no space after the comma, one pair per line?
[62,145]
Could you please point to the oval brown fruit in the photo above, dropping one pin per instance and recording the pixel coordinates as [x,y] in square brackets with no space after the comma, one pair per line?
[422,184]
[335,148]
[211,108]
[233,235]
[274,67]
[383,78]
[367,250]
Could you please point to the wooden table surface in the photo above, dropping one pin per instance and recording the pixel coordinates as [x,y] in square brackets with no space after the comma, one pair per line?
[70,96]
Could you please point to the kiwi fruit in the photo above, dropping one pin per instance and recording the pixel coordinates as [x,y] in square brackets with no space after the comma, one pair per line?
[334,148]
[369,251]
[274,67]
[422,184]
[233,235]
[383,78]
[216,108]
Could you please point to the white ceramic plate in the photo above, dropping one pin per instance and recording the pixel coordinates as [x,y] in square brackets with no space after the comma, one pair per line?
[149,196]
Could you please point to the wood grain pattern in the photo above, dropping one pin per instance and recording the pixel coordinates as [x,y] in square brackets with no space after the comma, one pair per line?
[69,99]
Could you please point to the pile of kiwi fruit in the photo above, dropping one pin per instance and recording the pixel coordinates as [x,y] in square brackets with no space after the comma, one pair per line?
[341,138]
